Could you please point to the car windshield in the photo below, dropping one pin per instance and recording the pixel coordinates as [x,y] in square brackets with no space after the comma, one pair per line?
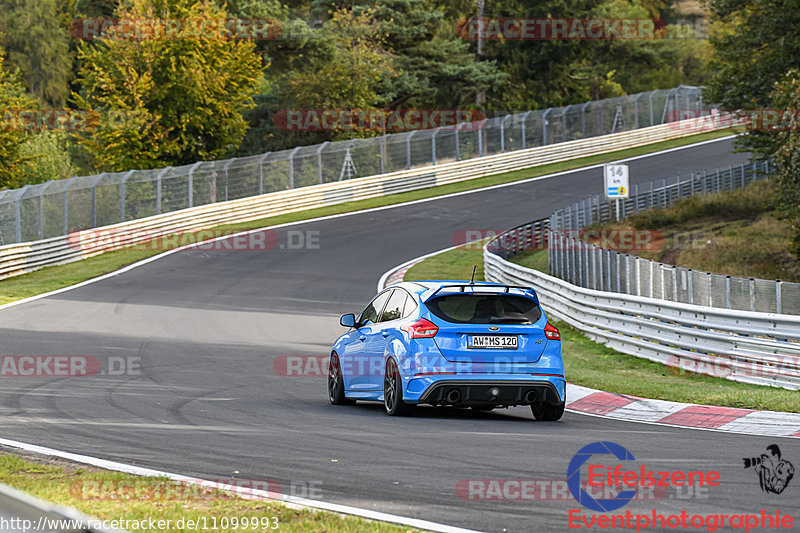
[485,309]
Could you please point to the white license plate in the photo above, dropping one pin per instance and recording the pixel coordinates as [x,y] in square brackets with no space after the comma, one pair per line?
[508,342]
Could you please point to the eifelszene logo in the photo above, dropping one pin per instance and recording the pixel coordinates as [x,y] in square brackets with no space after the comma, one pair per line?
[625,480]
[773,472]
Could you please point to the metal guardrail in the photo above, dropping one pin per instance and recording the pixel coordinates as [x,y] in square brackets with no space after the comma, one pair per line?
[588,265]
[21,512]
[56,208]
[758,348]
[18,259]
[614,308]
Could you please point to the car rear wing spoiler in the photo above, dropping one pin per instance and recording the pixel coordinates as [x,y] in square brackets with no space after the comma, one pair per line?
[474,286]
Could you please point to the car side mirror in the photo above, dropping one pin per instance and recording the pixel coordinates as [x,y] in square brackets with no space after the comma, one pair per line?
[348,320]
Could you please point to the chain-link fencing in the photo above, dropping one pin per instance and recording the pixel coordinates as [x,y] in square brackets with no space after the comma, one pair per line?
[572,258]
[59,207]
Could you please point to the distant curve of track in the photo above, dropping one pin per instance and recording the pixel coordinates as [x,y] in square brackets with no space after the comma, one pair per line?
[208,325]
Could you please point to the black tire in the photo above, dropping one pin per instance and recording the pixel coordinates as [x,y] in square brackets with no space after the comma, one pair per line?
[336,383]
[393,392]
[547,411]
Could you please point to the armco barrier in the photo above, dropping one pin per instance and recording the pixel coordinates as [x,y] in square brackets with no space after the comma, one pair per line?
[20,258]
[758,348]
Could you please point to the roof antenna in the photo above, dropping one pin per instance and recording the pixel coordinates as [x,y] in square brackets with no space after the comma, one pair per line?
[472,281]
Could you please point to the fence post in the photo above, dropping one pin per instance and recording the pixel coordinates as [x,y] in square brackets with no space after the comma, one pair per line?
[708,289]
[261,172]
[524,118]
[94,199]
[778,302]
[602,253]
[619,288]
[291,167]
[690,287]
[433,145]
[319,162]
[652,279]
[39,214]
[674,284]
[583,118]
[752,294]
[158,188]
[502,133]
[638,276]
[64,212]
[382,150]
[408,148]
[627,274]
[564,123]
[122,195]
[728,292]
[544,125]
[225,168]
[18,216]
[191,183]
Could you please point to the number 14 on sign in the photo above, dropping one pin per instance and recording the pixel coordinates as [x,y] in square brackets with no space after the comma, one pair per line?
[616,182]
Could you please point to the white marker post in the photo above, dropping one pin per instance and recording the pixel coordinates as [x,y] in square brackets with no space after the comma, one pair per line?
[616,182]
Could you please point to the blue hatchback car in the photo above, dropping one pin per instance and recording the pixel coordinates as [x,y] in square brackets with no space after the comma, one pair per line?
[450,343]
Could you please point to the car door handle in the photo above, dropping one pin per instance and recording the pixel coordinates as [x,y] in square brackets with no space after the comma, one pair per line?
[362,338]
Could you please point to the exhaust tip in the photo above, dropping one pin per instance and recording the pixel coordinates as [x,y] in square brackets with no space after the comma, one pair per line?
[530,396]
[453,396]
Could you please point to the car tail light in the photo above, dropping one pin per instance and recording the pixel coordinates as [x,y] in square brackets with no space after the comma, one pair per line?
[551,332]
[421,329]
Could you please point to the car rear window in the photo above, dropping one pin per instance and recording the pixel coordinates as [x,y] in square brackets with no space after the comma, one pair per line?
[485,309]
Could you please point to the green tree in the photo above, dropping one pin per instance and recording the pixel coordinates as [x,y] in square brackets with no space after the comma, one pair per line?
[434,66]
[37,43]
[180,99]
[756,44]
[47,158]
[342,67]
[756,65]
[12,138]
[787,154]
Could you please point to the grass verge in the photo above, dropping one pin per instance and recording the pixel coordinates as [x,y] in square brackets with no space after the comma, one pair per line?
[739,233]
[594,365]
[56,277]
[108,495]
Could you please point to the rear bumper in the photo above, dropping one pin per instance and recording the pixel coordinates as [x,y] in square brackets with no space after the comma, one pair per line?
[498,392]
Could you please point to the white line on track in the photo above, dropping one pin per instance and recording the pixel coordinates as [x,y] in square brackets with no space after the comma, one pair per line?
[247,492]
[340,215]
[289,500]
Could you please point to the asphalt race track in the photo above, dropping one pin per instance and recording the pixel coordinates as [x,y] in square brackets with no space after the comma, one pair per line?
[207,326]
